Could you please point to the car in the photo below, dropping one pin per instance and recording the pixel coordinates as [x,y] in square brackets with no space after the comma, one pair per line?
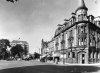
[43,59]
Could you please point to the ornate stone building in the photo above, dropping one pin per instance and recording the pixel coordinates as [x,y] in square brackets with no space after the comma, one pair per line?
[47,47]
[78,39]
[24,44]
[44,47]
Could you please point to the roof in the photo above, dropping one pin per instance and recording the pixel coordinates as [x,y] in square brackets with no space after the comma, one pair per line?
[17,42]
[81,6]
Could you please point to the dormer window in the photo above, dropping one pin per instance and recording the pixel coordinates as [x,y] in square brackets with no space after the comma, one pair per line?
[71,22]
[81,17]
[98,23]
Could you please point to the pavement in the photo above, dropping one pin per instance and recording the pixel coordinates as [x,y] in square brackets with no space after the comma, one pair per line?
[34,66]
[12,64]
[69,64]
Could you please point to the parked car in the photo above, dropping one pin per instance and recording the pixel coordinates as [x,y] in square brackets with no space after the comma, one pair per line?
[43,59]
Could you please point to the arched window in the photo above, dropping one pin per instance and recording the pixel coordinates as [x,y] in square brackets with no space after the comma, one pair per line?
[78,17]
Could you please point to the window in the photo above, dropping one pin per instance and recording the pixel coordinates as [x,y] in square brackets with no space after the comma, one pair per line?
[79,42]
[74,19]
[78,17]
[71,33]
[71,22]
[82,55]
[93,32]
[85,41]
[81,17]
[63,37]
[79,30]
[68,54]
[90,42]
[92,38]
[93,42]
[82,41]
[83,29]
[73,54]
[97,23]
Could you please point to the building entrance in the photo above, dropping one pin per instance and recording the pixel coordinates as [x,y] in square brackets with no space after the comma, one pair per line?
[81,58]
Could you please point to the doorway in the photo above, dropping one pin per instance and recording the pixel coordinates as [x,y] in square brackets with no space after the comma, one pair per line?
[83,58]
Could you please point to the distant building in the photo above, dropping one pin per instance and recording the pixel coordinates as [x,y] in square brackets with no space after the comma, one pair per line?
[51,46]
[24,44]
[47,47]
[44,47]
[78,38]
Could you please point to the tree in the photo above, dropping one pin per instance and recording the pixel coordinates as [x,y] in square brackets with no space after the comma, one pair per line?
[4,43]
[12,1]
[25,49]
[17,51]
[36,55]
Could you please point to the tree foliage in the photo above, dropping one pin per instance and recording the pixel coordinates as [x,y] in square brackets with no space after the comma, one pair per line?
[12,1]
[36,55]
[25,50]
[4,43]
[17,50]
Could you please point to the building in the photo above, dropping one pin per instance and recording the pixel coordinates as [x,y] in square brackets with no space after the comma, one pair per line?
[51,46]
[78,38]
[24,44]
[44,47]
[47,47]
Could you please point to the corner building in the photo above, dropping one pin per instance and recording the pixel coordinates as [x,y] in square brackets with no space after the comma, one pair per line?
[78,39]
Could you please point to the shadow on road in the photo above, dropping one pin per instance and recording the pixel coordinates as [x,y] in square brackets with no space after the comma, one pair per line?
[52,69]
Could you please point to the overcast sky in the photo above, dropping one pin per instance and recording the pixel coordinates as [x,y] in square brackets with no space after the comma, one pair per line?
[32,20]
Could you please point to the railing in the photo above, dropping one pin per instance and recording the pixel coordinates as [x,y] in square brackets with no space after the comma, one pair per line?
[82,35]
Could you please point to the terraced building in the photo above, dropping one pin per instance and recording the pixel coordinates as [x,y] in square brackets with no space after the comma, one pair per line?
[78,39]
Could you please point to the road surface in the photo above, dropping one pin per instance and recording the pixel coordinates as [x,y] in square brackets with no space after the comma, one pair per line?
[39,67]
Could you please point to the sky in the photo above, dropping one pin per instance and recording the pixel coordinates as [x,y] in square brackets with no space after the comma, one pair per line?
[32,20]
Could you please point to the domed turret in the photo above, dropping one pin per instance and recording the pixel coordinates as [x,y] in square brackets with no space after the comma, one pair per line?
[82,8]
[81,11]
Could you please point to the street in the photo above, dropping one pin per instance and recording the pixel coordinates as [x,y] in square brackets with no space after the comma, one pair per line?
[39,67]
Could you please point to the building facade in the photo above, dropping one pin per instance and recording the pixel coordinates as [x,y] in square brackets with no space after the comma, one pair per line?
[44,47]
[78,39]
[51,46]
[47,47]
[24,44]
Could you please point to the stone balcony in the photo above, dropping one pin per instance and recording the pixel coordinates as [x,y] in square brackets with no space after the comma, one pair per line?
[82,35]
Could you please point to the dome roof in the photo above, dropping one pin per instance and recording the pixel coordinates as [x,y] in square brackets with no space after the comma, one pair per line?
[81,6]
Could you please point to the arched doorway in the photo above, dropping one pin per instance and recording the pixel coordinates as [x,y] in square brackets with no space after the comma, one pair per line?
[82,57]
